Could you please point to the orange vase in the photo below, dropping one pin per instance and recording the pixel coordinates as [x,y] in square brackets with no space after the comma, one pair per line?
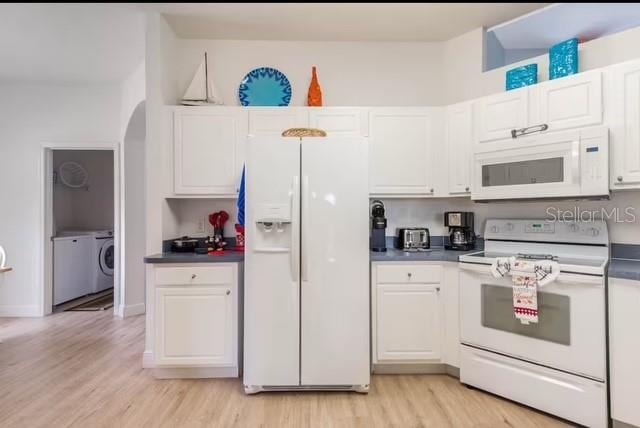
[314,98]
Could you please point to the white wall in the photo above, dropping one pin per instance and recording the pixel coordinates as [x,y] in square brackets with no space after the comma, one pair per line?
[90,208]
[161,87]
[187,213]
[350,73]
[132,249]
[133,223]
[31,114]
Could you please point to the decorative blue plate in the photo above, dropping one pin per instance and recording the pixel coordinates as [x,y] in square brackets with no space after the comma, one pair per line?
[265,86]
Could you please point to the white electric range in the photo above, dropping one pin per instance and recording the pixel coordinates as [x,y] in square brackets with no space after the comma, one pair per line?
[557,365]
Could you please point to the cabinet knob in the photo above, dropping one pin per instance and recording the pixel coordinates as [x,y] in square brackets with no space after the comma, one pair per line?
[466,189]
[437,289]
[228,292]
[193,276]
[409,275]
[620,178]
[431,190]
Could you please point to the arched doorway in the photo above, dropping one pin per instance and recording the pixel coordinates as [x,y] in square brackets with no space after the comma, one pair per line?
[132,295]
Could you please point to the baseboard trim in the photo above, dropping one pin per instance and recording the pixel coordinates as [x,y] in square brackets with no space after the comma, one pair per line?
[133,310]
[194,372]
[147,360]
[620,424]
[416,368]
[20,311]
[186,372]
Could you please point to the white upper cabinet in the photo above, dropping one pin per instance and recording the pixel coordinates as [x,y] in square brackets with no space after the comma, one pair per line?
[459,134]
[208,150]
[497,115]
[569,102]
[340,121]
[624,120]
[565,103]
[400,151]
[271,121]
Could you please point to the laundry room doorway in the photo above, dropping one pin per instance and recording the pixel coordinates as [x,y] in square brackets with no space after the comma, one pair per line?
[81,228]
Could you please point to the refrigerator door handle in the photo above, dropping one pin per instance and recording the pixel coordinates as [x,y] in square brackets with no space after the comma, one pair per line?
[295,228]
[305,224]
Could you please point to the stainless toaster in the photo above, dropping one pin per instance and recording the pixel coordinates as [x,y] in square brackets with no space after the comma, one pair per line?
[413,239]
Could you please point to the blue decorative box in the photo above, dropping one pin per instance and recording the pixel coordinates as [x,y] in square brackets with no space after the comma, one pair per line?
[522,76]
[563,59]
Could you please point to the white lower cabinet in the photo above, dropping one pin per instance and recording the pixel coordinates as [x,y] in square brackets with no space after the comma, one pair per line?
[624,348]
[194,322]
[410,313]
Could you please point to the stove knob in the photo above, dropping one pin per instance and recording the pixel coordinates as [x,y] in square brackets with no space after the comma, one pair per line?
[573,227]
[495,229]
[509,227]
[592,231]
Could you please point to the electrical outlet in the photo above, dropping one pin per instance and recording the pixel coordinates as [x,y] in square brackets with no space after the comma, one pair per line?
[200,227]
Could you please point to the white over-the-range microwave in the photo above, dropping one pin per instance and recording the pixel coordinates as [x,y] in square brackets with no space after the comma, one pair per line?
[563,164]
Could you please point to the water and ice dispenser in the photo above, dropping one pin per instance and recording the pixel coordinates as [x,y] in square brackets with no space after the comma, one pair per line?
[273,228]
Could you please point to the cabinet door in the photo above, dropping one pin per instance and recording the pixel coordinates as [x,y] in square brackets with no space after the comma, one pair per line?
[496,115]
[407,323]
[459,148]
[340,121]
[570,102]
[208,148]
[400,151]
[624,300]
[273,121]
[195,326]
[625,125]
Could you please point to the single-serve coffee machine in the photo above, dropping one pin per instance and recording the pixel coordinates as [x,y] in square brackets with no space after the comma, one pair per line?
[461,234]
[378,227]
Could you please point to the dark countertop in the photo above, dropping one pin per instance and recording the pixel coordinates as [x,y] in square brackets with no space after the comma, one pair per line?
[227,257]
[618,268]
[624,269]
[436,254]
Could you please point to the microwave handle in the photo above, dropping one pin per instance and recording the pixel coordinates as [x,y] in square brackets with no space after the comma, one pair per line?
[515,133]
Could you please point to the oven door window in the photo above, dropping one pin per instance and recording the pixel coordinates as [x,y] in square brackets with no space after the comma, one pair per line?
[554,323]
[535,171]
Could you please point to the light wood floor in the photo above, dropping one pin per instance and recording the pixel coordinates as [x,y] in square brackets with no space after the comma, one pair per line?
[83,369]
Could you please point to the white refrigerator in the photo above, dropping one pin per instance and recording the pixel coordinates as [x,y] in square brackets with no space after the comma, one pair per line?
[306,302]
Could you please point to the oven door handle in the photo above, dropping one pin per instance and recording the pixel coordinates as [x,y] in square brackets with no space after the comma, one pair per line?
[563,278]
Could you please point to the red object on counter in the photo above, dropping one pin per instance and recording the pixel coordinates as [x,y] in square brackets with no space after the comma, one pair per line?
[239,237]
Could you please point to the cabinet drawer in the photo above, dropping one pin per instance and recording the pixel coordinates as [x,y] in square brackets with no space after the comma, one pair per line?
[194,275]
[407,274]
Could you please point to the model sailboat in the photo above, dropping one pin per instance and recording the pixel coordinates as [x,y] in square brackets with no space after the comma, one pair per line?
[201,90]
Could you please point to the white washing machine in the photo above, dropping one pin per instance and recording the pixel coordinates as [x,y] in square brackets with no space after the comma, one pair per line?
[73,266]
[103,257]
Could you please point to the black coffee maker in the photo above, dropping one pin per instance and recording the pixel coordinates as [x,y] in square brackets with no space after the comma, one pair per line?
[378,239]
[461,234]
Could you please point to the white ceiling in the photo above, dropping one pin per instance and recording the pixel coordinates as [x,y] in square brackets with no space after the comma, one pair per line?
[70,42]
[563,21]
[335,21]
